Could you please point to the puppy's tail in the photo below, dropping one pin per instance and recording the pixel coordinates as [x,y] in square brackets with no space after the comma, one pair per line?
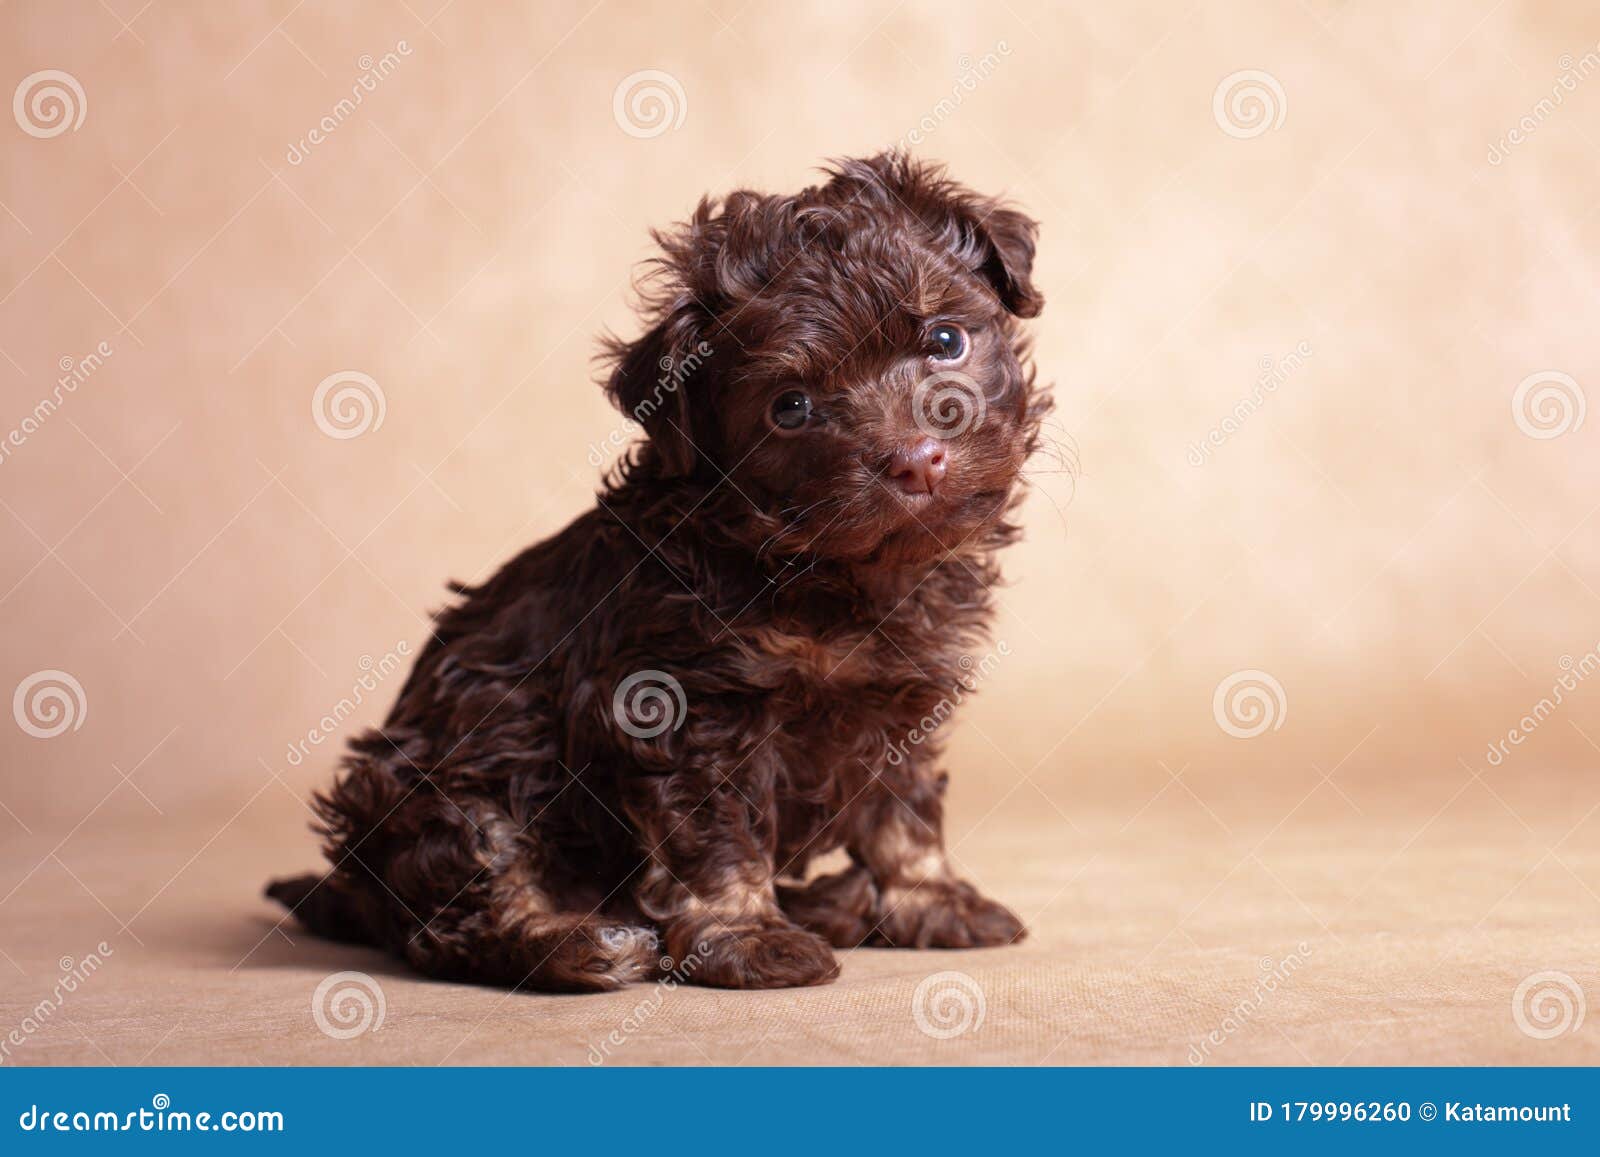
[324,907]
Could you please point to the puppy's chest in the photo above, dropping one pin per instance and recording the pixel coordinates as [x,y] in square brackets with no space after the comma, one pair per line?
[778,655]
[845,677]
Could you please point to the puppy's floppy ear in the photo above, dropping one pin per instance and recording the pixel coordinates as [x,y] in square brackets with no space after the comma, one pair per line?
[656,378]
[1008,237]
[717,257]
[993,240]
[650,382]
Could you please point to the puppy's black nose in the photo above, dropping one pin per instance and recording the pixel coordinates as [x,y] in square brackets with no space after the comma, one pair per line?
[919,467]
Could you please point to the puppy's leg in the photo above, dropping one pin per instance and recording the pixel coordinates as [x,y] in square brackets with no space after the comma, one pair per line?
[504,929]
[457,889]
[708,884]
[898,837]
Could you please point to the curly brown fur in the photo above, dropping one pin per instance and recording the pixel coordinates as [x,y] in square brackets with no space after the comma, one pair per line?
[524,818]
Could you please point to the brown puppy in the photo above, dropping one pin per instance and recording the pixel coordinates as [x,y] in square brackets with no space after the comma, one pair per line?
[630,741]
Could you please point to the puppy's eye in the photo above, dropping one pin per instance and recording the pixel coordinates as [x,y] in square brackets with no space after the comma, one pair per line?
[791,411]
[949,341]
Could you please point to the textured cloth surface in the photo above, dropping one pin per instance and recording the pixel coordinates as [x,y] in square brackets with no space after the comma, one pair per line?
[1357,924]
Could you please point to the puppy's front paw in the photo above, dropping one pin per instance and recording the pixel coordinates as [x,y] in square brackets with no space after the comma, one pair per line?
[945,914]
[765,956]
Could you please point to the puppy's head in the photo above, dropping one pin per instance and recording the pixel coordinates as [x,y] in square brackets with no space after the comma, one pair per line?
[848,358]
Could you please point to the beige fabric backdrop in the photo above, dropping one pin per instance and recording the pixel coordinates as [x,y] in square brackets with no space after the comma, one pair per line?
[1386,213]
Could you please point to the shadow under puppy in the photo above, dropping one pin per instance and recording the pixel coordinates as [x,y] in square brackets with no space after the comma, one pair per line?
[632,739]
